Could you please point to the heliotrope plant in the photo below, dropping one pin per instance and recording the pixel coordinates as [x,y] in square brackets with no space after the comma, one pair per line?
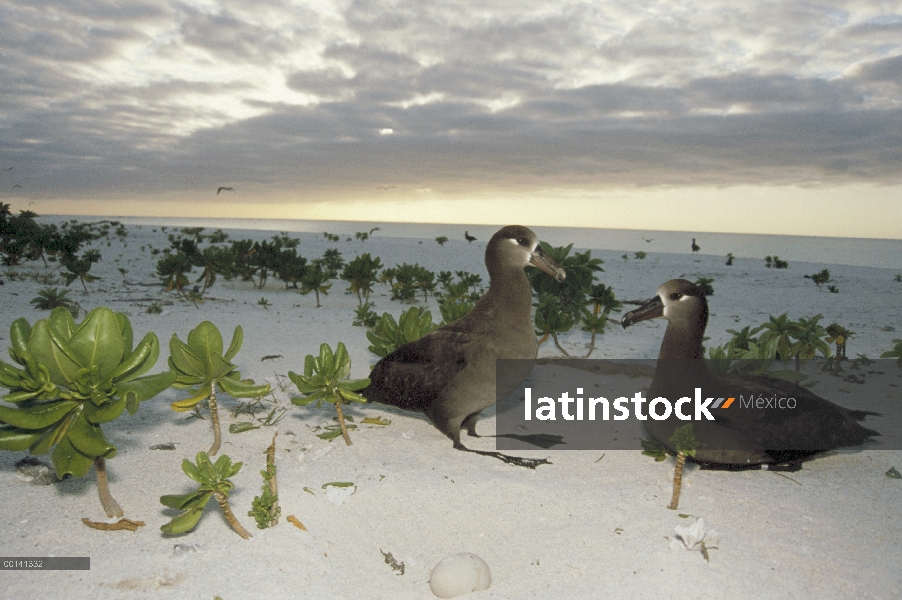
[201,363]
[74,377]
[325,380]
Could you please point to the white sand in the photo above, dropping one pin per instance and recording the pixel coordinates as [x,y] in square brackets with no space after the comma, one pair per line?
[582,527]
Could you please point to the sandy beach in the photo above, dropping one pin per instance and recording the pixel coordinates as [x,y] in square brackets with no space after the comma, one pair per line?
[593,524]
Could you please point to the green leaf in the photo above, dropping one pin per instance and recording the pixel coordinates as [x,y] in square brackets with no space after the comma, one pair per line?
[355,384]
[376,421]
[51,436]
[125,329]
[98,341]
[204,341]
[145,388]
[326,360]
[183,523]
[342,366]
[139,361]
[88,439]
[15,439]
[196,499]
[19,332]
[62,368]
[217,368]
[189,367]
[103,414]
[69,461]
[313,397]
[341,484]
[243,389]
[188,403]
[235,346]
[350,396]
[242,427]
[17,397]
[38,416]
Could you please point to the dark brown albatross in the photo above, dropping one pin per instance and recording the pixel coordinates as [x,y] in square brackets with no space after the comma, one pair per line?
[449,374]
[740,437]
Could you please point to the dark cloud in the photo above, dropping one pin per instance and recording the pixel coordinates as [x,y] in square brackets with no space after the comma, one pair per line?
[107,98]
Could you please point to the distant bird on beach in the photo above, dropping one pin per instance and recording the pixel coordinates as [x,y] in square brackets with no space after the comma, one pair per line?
[449,374]
[383,187]
[740,436]
[695,247]
[469,237]
[224,189]
[647,240]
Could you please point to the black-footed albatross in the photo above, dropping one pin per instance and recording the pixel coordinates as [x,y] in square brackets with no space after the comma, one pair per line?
[741,437]
[449,374]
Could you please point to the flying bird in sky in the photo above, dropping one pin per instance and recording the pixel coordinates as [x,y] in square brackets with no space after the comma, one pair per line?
[382,187]
[649,240]
[223,188]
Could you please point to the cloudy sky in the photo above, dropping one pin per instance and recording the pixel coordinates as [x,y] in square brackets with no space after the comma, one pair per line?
[777,117]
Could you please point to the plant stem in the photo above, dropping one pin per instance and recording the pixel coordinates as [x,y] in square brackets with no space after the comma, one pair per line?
[109,503]
[591,344]
[677,480]
[223,501]
[341,423]
[273,486]
[214,417]
[558,344]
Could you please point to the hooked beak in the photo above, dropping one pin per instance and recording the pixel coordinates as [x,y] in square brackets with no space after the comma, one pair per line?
[538,258]
[652,309]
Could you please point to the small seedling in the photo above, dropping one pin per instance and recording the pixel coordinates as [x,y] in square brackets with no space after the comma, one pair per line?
[325,379]
[214,482]
[388,334]
[50,298]
[265,508]
[155,308]
[705,284]
[640,255]
[264,303]
[441,240]
[896,352]
[364,315]
[654,448]
[201,363]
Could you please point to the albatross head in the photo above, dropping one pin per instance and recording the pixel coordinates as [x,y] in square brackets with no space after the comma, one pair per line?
[519,246]
[678,300]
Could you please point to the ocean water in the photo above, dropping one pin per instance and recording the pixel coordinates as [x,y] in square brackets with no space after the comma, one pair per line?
[882,253]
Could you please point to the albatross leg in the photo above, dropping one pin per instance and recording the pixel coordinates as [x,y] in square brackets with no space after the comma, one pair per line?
[470,424]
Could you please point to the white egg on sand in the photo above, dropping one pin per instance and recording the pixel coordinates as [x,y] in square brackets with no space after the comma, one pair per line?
[460,574]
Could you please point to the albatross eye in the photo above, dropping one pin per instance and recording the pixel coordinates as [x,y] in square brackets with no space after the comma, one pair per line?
[523,241]
[675,296]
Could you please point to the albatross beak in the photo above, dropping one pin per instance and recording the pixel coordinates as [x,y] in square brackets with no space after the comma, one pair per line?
[539,259]
[653,309]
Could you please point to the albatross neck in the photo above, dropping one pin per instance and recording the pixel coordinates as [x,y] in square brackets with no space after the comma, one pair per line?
[682,341]
[509,290]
